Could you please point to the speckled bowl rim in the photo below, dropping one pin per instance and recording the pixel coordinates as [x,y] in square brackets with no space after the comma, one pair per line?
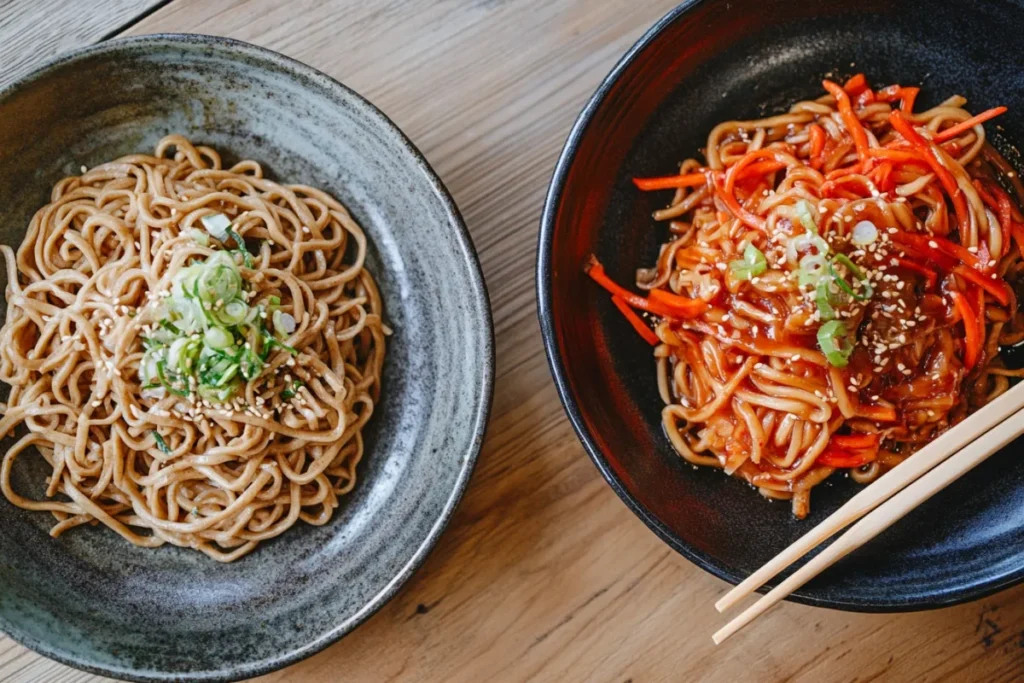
[486,372]
[966,593]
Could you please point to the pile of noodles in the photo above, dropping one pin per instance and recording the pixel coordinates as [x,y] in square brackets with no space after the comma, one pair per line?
[225,476]
[746,385]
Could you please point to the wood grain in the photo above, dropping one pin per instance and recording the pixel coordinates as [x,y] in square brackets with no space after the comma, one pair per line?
[544,575]
[32,31]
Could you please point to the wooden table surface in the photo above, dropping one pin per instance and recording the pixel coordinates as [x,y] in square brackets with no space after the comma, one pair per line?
[543,574]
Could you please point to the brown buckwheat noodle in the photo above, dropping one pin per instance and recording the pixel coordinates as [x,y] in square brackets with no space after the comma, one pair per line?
[158,466]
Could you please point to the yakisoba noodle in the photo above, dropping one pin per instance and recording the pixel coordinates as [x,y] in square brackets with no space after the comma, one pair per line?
[183,389]
[836,287]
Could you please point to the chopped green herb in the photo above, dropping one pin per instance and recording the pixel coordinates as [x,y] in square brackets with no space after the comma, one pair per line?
[160,443]
[750,266]
[856,272]
[208,339]
[241,249]
[291,391]
[834,341]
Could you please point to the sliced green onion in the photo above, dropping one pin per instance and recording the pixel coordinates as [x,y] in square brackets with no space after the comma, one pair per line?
[246,256]
[161,370]
[250,364]
[821,298]
[803,213]
[220,283]
[844,260]
[160,443]
[227,376]
[864,233]
[273,303]
[834,342]
[199,237]
[750,266]
[207,339]
[812,269]
[175,352]
[217,394]
[804,243]
[291,391]
[233,312]
[284,323]
[272,342]
[147,368]
[217,225]
[218,338]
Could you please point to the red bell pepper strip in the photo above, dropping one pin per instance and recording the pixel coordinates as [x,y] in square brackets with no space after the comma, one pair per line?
[636,321]
[972,340]
[678,307]
[964,126]
[998,288]
[850,120]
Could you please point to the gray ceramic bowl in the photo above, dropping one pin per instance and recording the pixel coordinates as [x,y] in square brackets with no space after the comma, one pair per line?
[95,602]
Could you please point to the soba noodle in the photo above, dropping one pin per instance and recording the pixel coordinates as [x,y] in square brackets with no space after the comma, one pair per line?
[836,288]
[275,434]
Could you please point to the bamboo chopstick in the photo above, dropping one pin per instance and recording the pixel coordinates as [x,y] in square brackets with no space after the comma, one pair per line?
[885,515]
[881,490]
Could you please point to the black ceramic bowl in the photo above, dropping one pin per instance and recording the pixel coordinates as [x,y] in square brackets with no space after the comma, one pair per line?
[709,61]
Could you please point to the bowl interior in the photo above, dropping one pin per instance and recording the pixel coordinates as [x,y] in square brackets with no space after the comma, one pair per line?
[706,63]
[92,600]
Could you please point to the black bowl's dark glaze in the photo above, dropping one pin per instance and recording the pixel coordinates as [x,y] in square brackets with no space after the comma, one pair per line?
[704,63]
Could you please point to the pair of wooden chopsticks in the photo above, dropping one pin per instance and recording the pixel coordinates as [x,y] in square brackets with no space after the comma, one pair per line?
[884,502]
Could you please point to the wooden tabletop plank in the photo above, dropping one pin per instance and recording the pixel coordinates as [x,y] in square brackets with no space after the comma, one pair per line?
[543,574]
[32,31]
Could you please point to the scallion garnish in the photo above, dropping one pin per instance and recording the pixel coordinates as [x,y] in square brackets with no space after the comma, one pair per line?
[160,443]
[844,260]
[826,299]
[217,225]
[750,266]
[284,323]
[812,268]
[208,340]
[864,233]
[291,391]
[246,256]
[803,213]
[834,341]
